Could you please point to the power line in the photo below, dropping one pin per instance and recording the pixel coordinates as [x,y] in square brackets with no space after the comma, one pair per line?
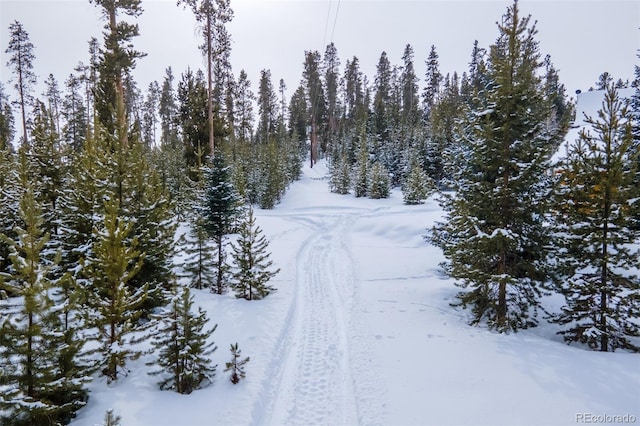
[335,20]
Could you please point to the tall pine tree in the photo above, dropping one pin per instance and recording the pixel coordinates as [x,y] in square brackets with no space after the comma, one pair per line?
[43,382]
[598,195]
[495,237]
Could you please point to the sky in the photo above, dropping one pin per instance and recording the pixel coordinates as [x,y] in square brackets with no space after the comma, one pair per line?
[583,37]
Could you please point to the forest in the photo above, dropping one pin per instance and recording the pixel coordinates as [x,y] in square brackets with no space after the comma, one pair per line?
[97,174]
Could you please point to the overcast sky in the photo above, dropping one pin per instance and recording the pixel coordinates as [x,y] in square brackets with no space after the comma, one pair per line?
[584,38]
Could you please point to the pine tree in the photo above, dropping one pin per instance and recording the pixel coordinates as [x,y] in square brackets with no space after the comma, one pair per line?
[236,365]
[220,212]
[47,157]
[361,177]
[433,79]
[9,201]
[595,228]
[21,60]
[252,262]
[43,382]
[331,64]
[212,15]
[316,103]
[192,119]
[183,347]
[117,60]
[418,186]
[111,419]
[6,121]
[113,308]
[74,112]
[340,174]
[379,183]
[495,238]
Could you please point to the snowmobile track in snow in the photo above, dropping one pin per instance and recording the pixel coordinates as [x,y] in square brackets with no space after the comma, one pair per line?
[314,383]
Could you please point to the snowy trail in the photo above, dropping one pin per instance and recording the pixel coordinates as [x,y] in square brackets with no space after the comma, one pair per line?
[314,383]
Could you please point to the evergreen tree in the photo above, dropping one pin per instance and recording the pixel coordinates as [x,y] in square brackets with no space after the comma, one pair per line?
[267,109]
[236,365]
[316,103]
[382,101]
[74,131]
[409,85]
[146,206]
[379,183]
[495,238]
[596,232]
[43,382]
[168,111]
[331,64]
[21,57]
[252,262]
[113,308]
[9,199]
[192,117]
[361,178]
[183,347]
[54,101]
[117,60]
[340,174]
[220,213]
[418,186]
[6,121]
[433,80]
[212,16]
[111,419]
[47,158]
[199,263]
[298,117]
[274,174]
[243,109]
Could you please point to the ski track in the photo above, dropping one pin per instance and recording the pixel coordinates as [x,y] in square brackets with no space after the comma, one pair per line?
[311,382]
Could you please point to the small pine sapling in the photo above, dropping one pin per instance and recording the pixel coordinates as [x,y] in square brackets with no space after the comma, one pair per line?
[111,419]
[236,365]
[184,346]
[250,280]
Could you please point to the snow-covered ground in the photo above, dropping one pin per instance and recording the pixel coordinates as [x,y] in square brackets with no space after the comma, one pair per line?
[361,331]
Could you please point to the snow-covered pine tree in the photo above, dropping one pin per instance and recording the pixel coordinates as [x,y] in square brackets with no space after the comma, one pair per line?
[147,206]
[379,182]
[220,211]
[252,274]
[48,165]
[236,365]
[494,237]
[597,239]
[361,172]
[274,173]
[7,129]
[183,346]
[340,174]
[42,383]
[9,202]
[418,186]
[113,309]
[199,263]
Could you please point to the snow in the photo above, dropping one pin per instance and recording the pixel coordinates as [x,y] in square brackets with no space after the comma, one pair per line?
[361,331]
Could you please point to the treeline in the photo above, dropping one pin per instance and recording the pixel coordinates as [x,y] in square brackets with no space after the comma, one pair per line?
[90,204]
[519,226]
